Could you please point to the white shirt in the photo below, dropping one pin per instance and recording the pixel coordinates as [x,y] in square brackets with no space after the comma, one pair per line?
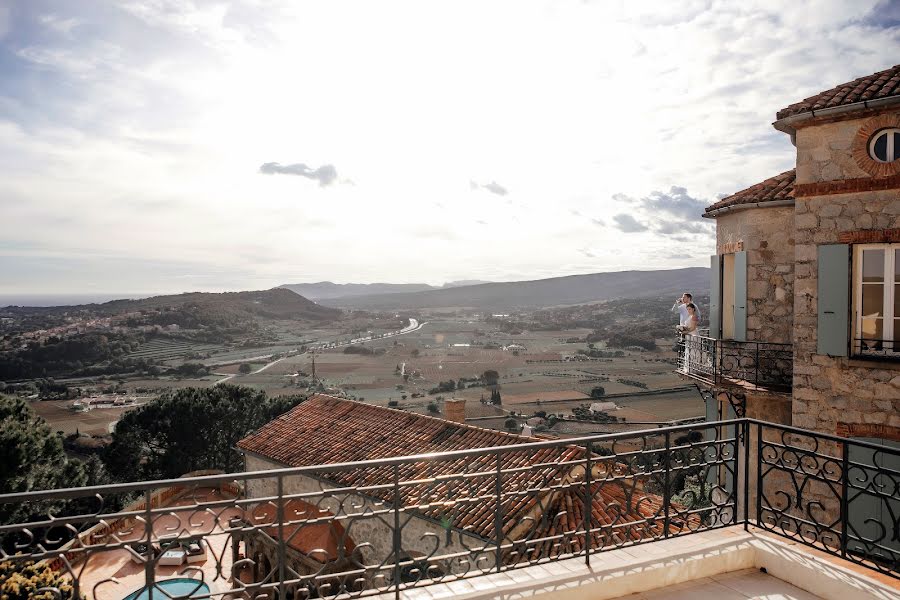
[683,313]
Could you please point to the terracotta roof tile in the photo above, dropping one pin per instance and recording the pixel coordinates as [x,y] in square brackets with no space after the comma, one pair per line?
[882,84]
[773,189]
[538,498]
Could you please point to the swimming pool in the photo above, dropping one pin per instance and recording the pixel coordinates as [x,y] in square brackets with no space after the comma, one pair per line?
[178,587]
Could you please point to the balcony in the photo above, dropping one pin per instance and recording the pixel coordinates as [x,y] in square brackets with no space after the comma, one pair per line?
[603,515]
[749,365]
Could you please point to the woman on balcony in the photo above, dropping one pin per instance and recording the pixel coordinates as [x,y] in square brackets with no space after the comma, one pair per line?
[688,330]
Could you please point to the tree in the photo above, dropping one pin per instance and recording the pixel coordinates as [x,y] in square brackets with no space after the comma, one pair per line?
[598,391]
[244,368]
[33,459]
[490,377]
[433,408]
[495,397]
[511,425]
[414,353]
[190,429]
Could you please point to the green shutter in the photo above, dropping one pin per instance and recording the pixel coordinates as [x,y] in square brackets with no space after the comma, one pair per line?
[740,296]
[833,299]
[715,296]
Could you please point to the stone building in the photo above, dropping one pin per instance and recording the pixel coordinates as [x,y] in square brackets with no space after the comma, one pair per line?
[811,258]
[805,289]
[449,506]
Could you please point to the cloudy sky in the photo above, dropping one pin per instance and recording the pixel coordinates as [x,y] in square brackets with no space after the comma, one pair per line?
[173,145]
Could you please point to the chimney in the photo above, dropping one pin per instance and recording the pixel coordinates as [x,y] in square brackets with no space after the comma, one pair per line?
[455,410]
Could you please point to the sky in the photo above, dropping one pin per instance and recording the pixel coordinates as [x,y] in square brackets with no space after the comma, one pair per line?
[160,146]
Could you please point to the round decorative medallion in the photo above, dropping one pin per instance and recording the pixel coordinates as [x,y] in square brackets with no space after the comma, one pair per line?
[867,146]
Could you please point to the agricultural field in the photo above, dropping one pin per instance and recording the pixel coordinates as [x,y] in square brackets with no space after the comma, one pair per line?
[542,374]
[164,349]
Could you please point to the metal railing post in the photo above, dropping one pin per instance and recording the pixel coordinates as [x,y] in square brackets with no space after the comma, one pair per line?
[281,544]
[716,357]
[747,474]
[759,474]
[149,560]
[666,486]
[396,540]
[588,505]
[498,516]
[845,478]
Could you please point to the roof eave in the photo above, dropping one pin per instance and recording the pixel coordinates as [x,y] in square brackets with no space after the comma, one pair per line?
[787,124]
[712,214]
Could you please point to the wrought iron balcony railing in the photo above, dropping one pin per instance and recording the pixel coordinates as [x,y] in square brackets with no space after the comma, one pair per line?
[389,525]
[755,364]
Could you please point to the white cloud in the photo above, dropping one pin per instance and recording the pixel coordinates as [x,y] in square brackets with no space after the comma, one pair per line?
[142,128]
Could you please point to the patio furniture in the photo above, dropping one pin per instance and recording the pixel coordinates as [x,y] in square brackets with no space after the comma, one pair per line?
[172,557]
[195,551]
[142,552]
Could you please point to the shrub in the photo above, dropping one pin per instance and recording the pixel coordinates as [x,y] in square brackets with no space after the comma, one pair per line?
[433,408]
[393,403]
[20,581]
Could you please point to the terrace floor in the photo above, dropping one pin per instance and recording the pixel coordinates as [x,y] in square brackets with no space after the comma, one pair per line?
[739,585]
[112,575]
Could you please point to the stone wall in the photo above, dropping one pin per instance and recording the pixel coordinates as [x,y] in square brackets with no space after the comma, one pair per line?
[832,153]
[767,235]
[825,152]
[828,391]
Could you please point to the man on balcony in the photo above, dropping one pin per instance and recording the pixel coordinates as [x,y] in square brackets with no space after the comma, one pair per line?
[681,307]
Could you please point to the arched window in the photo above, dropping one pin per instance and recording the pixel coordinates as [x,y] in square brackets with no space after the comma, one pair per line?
[884,146]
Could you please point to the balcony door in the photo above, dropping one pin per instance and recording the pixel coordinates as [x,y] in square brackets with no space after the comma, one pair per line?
[728,296]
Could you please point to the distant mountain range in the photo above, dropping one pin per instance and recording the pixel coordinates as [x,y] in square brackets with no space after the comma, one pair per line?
[327,290]
[276,303]
[572,289]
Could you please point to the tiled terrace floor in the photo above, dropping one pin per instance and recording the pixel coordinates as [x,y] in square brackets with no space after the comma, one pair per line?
[112,575]
[739,585]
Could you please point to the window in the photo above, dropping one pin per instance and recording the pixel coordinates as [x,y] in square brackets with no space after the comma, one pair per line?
[884,146]
[876,299]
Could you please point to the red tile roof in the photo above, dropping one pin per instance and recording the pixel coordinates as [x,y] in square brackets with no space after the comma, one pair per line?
[773,189]
[540,502]
[882,84]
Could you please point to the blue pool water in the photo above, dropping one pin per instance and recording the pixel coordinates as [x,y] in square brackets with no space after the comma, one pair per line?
[175,588]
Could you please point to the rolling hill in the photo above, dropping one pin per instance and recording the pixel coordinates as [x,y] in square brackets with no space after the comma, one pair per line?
[572,289]
[325,290]
[276,303]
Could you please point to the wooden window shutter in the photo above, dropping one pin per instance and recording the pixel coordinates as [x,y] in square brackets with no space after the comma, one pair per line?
[833,299]
[715,296]
[740,296]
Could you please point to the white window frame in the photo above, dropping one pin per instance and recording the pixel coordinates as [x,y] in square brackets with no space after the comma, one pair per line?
[888,306]
[891,152]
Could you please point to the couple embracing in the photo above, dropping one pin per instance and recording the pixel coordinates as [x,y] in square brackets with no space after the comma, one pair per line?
[688,312]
